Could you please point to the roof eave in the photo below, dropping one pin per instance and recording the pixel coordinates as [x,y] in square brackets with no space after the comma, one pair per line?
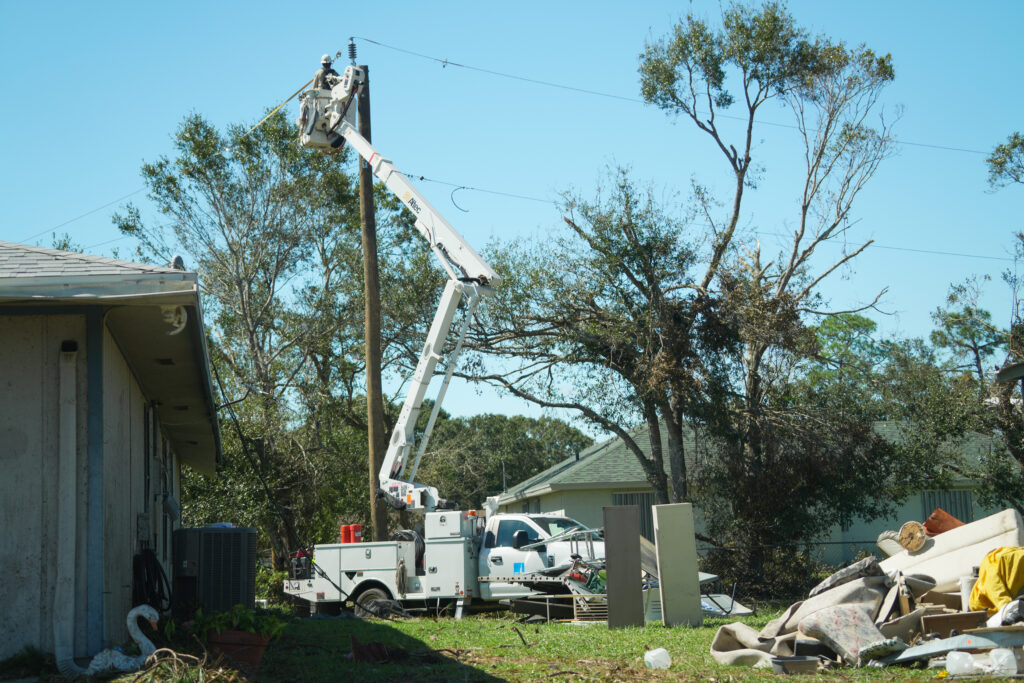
[90,289]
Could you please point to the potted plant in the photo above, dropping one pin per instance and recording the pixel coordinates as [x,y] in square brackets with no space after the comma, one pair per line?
[240,634]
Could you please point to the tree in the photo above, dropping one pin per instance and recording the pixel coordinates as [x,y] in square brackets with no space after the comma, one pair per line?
[274,233]
[474,457]
[635,316]
[818,449]
[966,333]
[1006,163]
[599,324]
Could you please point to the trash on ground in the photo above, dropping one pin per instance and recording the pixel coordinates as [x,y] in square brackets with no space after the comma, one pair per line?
[922,605]
[795,665]
[657,659]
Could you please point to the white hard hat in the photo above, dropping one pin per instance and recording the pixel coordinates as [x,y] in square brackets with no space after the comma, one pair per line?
[326,59]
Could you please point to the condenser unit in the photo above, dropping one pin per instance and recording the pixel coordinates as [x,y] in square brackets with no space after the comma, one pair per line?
[214,569]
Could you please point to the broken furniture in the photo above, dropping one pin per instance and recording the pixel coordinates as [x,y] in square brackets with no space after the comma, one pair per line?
[950,555]
[872,610]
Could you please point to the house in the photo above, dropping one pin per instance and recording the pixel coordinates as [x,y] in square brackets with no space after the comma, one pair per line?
[605,474]
[105,394]
[609,474]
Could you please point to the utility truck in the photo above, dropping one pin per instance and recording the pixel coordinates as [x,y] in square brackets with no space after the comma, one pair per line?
[456,556]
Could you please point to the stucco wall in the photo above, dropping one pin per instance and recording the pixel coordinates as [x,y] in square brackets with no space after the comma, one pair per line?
[123,496]
[29,458]
[29,391]
[138,469]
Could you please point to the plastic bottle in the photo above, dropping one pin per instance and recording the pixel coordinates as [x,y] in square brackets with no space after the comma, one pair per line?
[966,586]
[657,659]
[1003,662]
[959,663]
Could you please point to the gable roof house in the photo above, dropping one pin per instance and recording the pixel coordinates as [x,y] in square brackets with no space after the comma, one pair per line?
[608,474]
[604,474]
[105,395]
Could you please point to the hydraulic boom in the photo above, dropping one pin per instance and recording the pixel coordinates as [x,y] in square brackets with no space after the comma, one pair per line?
[327,121]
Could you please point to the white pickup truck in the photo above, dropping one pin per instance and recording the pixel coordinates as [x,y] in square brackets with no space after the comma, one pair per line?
[461,557]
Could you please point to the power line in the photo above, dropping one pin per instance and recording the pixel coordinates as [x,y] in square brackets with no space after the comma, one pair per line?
[87,213]
[944,253]
[933,252]
[444,62]
[910,249]
[458,186]
[105,242]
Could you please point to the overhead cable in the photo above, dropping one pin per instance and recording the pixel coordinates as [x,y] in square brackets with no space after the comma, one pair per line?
[135,192]
[445,62]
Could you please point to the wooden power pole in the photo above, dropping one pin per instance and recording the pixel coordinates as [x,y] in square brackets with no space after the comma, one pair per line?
[377,432]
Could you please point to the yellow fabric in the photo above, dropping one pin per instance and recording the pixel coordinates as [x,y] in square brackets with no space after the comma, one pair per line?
[1000,579]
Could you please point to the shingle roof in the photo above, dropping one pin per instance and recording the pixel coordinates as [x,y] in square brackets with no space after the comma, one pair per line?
[610,464]
[607,464]
[24,261]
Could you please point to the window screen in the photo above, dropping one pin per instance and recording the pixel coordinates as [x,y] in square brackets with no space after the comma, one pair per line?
[644,501]
[960,504]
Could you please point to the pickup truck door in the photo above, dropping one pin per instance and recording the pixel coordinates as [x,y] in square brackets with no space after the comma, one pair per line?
[500,558]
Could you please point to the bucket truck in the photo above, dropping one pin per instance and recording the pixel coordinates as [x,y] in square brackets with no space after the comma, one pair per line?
[461,555]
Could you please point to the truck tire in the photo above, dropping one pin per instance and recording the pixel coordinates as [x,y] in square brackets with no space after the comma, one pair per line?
[363,608]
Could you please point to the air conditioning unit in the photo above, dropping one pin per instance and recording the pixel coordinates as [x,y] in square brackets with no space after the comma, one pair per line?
[214,569]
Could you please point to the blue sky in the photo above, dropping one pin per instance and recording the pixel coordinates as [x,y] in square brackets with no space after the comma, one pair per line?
[93,89]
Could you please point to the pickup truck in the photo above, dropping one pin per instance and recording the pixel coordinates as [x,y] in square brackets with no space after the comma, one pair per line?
[460,557]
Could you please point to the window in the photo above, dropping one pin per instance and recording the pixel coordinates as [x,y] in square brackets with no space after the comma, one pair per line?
[556,525]
[960,504]
[644,501]
[507,529]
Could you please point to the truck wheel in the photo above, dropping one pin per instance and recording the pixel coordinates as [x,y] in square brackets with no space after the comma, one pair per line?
[363,607]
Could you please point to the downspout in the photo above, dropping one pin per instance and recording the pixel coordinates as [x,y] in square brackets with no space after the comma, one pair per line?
[67,504]
[94,541]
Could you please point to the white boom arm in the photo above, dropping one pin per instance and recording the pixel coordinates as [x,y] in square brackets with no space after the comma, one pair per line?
[327,120]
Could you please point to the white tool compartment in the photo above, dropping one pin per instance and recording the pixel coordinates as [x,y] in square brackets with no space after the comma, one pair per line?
[451,524]
[450,569]
[365,557]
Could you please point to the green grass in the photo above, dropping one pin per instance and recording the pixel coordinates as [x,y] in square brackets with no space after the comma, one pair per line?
[491,648]
[494,647]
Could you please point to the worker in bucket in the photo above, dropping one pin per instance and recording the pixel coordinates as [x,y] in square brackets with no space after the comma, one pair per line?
[325,77]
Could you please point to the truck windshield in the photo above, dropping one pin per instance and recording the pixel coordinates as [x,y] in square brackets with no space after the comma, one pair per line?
[553,526]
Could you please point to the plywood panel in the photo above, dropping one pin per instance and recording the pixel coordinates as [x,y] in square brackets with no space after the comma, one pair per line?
[622,556]
[676,549]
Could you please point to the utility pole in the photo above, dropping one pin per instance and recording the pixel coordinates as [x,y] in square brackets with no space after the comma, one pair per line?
[376,430]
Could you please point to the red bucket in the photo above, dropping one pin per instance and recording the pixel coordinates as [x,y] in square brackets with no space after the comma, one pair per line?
[355,533]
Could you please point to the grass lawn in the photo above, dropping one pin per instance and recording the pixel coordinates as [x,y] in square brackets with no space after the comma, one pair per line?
[489,647]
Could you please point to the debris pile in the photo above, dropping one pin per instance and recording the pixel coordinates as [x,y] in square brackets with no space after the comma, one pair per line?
[947,596]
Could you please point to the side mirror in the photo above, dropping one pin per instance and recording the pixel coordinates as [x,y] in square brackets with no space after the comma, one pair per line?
[520,538]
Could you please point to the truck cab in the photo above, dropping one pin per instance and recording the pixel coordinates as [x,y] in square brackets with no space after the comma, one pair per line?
[515,545]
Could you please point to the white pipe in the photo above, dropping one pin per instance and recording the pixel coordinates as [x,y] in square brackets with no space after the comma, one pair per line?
[67,502]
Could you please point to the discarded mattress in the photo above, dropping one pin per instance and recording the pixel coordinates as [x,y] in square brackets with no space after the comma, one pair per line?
[955,553]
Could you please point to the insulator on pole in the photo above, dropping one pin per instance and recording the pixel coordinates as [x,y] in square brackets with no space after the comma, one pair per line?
[352,50]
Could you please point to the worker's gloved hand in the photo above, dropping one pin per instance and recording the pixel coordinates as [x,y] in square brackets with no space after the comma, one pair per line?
[1013,613]
[1010,613]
